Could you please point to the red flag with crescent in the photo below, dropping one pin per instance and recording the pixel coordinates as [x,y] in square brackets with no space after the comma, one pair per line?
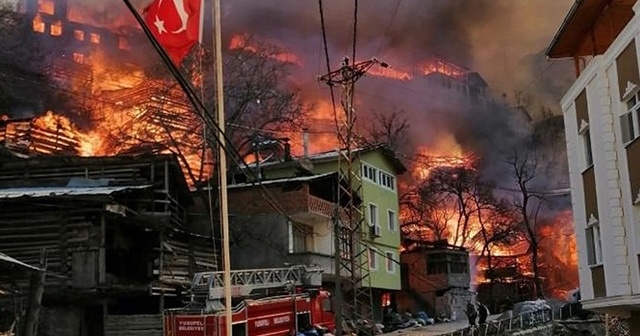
[176,24]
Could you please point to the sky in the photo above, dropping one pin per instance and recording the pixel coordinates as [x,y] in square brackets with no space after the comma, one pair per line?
[504,40]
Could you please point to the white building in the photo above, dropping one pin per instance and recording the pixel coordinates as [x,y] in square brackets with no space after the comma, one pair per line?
[602,120]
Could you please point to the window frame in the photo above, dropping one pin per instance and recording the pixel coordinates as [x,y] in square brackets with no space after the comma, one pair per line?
[387,180]
[373,259]
[585,145]
[370,173]
[593,237]
[390,259]
[631,113]
[370,217]
[392,214]
[302,237]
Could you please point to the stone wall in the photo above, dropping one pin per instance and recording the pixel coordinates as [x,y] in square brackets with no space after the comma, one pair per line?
[565,328]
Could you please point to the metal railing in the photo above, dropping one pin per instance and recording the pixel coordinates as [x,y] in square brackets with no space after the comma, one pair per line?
[521,322]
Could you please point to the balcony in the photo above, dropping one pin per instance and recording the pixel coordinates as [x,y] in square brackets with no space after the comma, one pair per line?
[311,210]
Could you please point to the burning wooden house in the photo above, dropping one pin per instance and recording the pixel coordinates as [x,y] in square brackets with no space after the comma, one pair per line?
[44,135]
[114,230]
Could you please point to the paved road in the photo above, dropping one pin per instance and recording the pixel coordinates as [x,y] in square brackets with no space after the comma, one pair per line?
[436,329]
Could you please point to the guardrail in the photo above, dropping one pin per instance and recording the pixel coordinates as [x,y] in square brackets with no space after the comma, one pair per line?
[521,322]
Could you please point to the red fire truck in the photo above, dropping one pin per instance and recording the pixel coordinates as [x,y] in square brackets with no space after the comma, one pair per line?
[266,302]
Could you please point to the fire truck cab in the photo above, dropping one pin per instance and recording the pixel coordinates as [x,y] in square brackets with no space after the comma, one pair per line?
[278,301]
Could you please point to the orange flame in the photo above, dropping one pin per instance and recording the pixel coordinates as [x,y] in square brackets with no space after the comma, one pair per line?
[242,42]
[38,24]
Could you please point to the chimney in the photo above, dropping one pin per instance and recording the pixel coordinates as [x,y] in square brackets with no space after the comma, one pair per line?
[287,150]
[305,142]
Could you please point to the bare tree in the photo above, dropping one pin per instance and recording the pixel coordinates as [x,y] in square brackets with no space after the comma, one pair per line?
[528,204]
[426,215]
[497,228]
[389,129]
[260,98]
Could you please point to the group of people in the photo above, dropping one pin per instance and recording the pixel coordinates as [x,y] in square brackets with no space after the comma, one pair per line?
[477,311]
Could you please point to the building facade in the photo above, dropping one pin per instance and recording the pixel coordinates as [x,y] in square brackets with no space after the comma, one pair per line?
[378,193]
[602,119]
[436,279]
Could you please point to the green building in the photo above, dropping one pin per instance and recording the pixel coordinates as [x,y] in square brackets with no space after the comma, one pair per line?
[378,168]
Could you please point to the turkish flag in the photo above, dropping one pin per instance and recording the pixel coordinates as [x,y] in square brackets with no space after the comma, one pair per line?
[176,24]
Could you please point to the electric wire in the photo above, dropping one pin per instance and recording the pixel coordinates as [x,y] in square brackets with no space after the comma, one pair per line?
[386,31]
[355,31]
[218,136]
[328,61]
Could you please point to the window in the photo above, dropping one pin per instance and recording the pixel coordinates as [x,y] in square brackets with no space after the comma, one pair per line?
[393,222]
[630,120]
[370,173]
[391,262]
[78,35]
[373,215]
[458,264]
[594,245]
[78,58]
[38,25]
[373,259]
[378,177]
[386,300]
[302,238]
[46,7]
[586,143]
[386,180]
[95,38]
[447,263]
[123,43]
[56,28]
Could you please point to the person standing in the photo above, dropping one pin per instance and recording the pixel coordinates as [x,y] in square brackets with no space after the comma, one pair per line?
[483,313]
[472,313]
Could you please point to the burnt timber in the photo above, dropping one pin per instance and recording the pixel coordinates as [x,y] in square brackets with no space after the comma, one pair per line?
[115,236]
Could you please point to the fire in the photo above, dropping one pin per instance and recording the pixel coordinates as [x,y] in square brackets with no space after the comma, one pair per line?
[391,73]
[38,24]
[242,42]
[46,6]
[445,68]
[445,153]
[56,28]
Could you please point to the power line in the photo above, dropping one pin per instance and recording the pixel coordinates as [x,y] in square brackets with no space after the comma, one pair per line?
[355,30]
[326,55]
[386,32]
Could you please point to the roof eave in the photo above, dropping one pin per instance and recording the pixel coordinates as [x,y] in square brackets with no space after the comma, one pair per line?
[549,52]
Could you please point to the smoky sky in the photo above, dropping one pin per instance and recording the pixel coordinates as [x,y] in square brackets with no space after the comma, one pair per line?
[489,36]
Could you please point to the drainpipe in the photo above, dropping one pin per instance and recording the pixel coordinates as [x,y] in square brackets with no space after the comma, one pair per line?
[305,142]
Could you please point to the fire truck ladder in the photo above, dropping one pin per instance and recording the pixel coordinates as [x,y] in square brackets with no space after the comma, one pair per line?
[243,282]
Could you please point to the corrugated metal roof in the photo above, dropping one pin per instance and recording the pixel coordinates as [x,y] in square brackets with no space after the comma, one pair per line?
[7,259]
[63,191]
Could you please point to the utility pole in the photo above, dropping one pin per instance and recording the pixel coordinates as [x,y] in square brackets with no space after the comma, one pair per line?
[351,254]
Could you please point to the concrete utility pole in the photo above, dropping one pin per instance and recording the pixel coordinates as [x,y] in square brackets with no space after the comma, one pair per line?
[351,255]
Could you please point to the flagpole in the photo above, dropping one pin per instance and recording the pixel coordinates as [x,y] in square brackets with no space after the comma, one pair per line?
[222,164]
[220,126]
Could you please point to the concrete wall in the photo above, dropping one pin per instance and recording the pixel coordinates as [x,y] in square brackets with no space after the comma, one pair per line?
[258,241]
[617,214]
